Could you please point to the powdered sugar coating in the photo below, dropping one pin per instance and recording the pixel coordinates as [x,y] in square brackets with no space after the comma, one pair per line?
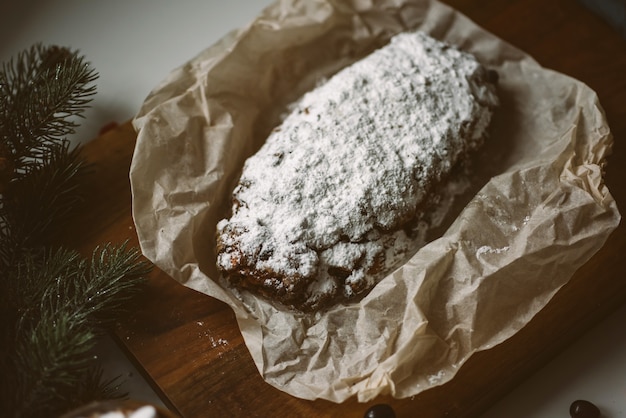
[320,208]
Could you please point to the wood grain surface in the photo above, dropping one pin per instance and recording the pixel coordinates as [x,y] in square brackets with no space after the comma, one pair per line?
[188,344]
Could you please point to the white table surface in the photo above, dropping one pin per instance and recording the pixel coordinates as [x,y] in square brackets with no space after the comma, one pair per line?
[134,44]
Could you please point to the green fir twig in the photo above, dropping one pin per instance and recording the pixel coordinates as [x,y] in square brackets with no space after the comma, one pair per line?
[62,303]
[54,303]
[42,93]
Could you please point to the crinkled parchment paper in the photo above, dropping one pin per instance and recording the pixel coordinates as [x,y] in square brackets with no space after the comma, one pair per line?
[539,211]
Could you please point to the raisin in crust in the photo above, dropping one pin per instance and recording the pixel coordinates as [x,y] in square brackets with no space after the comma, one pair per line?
[321,211]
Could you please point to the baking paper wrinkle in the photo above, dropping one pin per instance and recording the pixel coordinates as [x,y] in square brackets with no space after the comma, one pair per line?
[539,209]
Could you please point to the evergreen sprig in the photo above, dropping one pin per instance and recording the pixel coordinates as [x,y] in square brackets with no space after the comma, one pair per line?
[36,206]
[54,303]
[42,93]
[62,303]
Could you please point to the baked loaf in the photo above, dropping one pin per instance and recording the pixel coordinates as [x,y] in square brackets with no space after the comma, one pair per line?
[119,409]
[330,203]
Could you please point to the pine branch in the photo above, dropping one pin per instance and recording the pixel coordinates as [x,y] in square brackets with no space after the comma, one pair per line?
[62,302]
[51,359]
[41,93]
[35,207]
[114,274]
[53,302]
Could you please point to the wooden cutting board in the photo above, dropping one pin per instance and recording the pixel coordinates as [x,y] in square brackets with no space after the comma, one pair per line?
[188,344]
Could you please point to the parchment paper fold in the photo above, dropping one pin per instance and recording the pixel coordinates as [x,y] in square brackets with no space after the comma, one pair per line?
[539,209]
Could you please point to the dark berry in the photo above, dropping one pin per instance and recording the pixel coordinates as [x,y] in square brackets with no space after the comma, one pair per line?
[583,409]
[380,411]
